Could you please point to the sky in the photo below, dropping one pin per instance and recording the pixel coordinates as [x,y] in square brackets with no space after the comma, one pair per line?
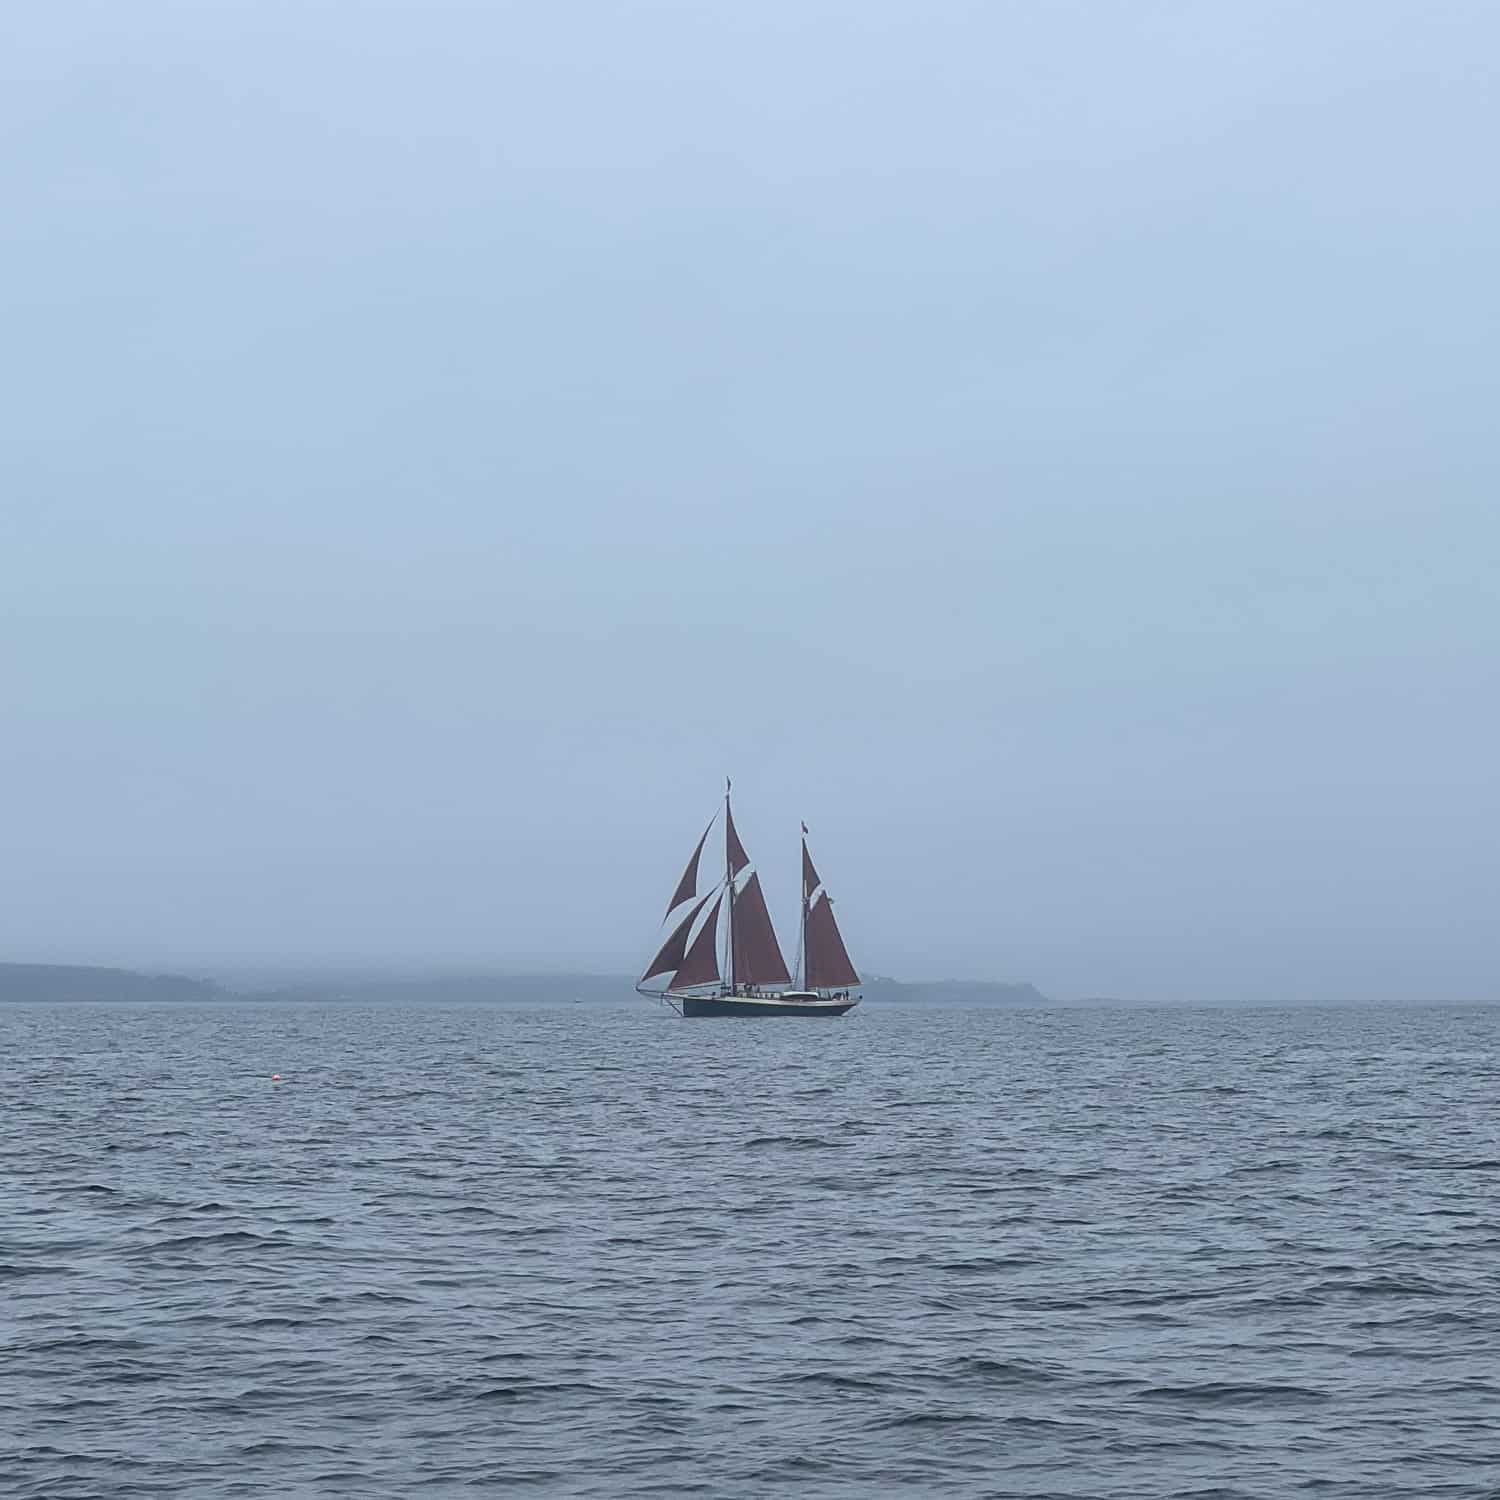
[1048,447]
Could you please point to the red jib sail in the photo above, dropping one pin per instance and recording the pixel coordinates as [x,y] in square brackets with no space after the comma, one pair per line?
[674,950]
[828,963]
[757,955]
[700,965]
[687,887]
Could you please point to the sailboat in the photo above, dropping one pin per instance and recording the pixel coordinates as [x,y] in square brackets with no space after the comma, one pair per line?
[721,950]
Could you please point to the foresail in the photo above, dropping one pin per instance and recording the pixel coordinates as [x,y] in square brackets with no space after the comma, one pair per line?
[674,950]
[828,964]
[687,887]
[757,955]
[700,964]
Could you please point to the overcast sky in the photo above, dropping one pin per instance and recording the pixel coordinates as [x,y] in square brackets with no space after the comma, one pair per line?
[1050,447]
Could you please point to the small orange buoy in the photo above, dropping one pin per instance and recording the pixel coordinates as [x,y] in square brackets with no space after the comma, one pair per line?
[275,1077]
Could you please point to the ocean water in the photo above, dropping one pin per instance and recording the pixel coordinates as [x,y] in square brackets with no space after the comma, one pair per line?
[598,1251]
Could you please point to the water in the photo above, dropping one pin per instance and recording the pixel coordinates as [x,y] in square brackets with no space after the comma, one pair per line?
[592,1251]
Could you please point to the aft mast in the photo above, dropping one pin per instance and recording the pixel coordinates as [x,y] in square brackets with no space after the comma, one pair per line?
[729,872]
[802,934]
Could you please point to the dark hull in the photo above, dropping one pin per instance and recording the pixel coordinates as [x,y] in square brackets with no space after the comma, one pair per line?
[750,1007]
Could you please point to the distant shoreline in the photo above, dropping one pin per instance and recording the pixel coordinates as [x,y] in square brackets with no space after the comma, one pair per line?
[85,982]
[98,984]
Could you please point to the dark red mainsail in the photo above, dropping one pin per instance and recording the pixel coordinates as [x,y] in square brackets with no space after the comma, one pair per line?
[828,964]
[757,955]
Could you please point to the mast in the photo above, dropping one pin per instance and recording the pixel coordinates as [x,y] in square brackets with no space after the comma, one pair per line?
[729,881]
[802,936]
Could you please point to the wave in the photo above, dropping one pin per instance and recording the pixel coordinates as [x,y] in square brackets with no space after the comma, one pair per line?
[1212,1392]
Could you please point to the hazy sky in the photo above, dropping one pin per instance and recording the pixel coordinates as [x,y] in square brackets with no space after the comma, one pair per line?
[1051,447]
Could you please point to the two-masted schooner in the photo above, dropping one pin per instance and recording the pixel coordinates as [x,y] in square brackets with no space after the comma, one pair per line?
[721,949]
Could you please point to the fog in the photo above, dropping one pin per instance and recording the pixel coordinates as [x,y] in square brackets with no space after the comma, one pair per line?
[1050,448]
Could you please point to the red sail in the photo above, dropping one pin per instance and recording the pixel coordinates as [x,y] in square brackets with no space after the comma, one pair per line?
[700,965]
[757,956]
[674,950]
[810,881]
[828,963]
[738,859]
[687,887]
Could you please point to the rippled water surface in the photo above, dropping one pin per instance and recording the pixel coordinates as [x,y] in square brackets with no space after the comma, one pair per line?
[592,1251]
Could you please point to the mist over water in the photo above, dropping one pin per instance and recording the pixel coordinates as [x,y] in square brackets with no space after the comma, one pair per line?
[598,1251]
